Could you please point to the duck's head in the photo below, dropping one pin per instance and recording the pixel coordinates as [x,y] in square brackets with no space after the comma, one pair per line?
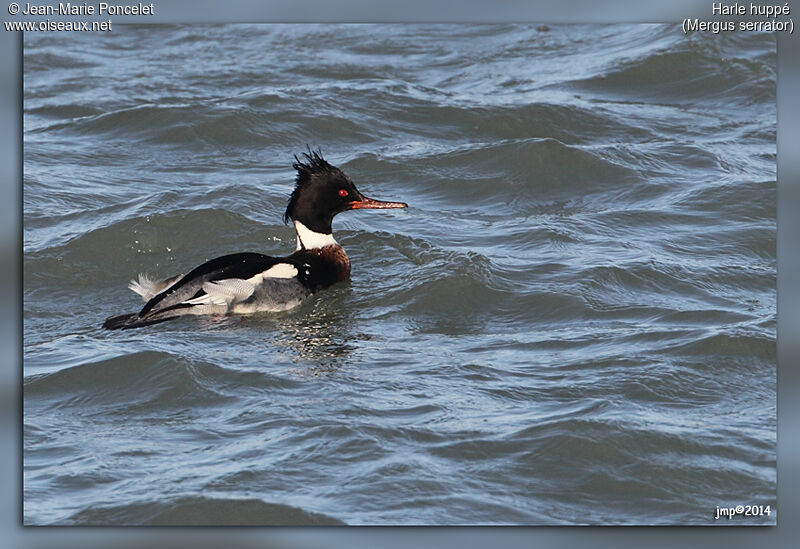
[322,191]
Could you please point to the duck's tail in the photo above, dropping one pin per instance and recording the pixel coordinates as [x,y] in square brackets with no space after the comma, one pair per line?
[133,320]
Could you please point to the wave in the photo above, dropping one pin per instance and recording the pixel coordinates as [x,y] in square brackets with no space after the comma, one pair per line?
[169,242]
[520,174]
[696,70]
[147,380]
[144,380]
[202,511]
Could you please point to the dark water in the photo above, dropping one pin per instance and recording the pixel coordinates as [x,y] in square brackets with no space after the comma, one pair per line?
[574,322]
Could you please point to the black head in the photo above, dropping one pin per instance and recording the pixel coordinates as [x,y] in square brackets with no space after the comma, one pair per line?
[322,191]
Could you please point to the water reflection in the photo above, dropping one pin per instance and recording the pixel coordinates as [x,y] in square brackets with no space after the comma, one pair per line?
[321,336]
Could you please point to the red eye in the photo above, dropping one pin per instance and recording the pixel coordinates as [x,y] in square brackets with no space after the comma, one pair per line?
[343,192]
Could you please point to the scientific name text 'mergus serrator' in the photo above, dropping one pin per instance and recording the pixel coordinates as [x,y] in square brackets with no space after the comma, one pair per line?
[766,21]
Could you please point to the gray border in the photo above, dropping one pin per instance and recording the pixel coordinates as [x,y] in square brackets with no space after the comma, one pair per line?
[583,11]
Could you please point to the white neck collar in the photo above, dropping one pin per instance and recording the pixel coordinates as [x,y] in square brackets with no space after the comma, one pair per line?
[308,239]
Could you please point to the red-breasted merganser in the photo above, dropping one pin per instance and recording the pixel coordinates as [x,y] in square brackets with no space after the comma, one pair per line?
[250,282]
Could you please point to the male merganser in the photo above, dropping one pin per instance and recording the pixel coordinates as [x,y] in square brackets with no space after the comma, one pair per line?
[250,282]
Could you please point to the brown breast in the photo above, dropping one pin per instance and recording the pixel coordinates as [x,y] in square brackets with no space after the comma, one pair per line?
[335,256]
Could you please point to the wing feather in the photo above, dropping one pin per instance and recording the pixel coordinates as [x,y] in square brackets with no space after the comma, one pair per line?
[223,292]
[147,287]
[218,285]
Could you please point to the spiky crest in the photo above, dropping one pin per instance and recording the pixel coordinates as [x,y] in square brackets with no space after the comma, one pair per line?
[314,165]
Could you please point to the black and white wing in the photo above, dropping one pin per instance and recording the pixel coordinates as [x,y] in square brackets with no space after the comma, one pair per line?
[242,283]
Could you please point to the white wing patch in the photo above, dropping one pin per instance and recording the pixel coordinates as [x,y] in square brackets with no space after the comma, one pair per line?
[147,287]
[281,270]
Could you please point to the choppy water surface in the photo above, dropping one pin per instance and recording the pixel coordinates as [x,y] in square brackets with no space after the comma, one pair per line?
[574,321]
